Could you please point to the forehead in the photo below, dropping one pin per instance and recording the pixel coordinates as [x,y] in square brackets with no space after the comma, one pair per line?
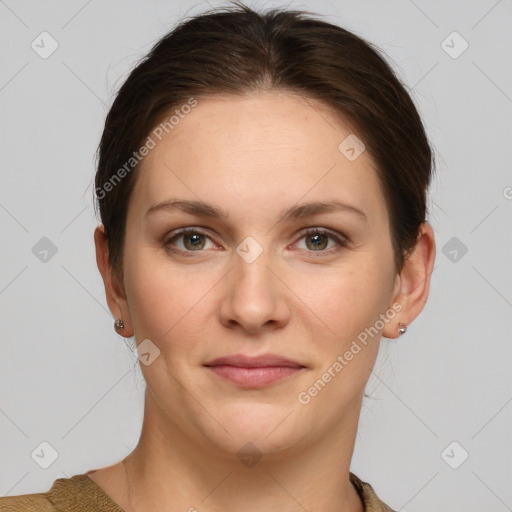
[266,148]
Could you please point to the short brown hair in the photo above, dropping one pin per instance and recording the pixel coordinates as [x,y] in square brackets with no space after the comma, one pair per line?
[236,50]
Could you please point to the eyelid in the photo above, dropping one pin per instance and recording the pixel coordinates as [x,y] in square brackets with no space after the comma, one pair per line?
[184,231]
[323,231]
[339,238]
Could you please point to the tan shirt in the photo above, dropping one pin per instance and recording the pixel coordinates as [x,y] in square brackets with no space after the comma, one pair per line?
[82,494]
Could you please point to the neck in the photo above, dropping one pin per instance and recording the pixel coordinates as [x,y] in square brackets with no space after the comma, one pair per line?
[168,470]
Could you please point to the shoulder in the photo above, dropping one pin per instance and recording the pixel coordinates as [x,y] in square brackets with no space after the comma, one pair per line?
[27,503]
[78,493]
[372,502]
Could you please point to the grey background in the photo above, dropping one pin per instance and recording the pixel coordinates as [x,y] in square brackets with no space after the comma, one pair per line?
[66,377]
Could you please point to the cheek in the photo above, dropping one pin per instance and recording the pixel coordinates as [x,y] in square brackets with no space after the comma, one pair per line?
[346,300]
[348,303]
[163,300]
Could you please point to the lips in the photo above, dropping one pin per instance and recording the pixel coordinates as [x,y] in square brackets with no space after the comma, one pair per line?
[254,372]
[243,361]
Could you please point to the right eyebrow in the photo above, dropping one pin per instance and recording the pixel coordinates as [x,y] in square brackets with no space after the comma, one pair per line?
[198,208]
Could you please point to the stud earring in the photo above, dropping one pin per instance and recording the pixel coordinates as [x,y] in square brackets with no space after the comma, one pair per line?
[119,325]
[402,328]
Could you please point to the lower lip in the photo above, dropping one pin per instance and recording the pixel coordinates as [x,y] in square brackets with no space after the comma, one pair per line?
[254,377]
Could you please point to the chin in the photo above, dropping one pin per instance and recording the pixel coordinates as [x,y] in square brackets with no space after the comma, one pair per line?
[259,428]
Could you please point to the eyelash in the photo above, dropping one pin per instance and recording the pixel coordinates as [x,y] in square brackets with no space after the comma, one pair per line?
[341,240]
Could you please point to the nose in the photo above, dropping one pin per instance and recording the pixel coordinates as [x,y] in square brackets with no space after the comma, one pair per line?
[255,299]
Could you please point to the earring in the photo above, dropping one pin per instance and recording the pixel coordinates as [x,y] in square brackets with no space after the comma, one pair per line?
[402,328]
[119,325]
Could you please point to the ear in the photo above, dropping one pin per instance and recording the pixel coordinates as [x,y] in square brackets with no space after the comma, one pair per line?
[413,283]
[114,291]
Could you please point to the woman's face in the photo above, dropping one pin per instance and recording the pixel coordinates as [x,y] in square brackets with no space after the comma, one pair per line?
[251,280]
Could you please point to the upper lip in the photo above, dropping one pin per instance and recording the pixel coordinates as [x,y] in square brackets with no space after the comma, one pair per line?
[244,361]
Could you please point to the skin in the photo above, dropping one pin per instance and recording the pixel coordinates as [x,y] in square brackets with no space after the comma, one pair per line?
[254,156]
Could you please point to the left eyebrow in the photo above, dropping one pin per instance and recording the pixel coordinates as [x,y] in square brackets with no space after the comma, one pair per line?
[202,209]
[315,208]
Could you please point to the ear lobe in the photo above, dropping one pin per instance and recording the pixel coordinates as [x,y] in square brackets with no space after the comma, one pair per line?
[414,281]
[116,298]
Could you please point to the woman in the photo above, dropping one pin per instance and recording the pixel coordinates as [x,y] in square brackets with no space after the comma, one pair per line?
[262,185]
